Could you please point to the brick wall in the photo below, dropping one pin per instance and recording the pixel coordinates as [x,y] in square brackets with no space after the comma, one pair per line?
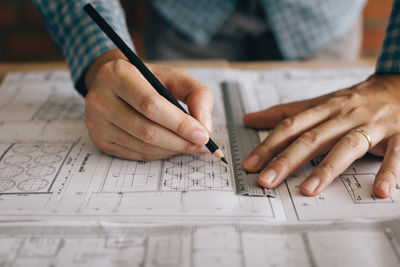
[23,36]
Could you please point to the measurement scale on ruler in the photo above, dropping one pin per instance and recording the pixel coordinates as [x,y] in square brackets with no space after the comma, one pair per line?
[242,141]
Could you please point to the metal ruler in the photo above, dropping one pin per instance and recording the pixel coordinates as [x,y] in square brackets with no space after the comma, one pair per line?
[242,141]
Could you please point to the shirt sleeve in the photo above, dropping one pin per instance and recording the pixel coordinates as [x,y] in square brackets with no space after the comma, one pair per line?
[389,59]
[81,40]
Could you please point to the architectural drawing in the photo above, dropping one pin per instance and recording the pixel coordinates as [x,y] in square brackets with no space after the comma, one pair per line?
[348,197]
[105,244]
[40,97]
[74,179]
[31,167]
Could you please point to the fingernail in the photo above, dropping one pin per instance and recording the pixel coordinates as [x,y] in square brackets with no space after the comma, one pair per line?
[200,137]
[268,176]
[311,183]
[385,186]
[252,161]
[206,119]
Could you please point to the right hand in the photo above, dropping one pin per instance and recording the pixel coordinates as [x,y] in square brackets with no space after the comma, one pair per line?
[127,118]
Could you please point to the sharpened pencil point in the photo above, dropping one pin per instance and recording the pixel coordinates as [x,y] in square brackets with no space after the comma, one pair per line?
[224,160]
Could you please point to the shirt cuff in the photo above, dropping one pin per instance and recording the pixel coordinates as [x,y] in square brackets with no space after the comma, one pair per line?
[82,41]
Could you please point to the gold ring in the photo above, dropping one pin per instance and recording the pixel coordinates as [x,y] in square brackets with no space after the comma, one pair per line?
[361,131]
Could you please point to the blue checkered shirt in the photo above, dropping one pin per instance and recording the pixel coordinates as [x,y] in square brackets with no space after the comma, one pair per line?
[81,40]
[300,27]
[389,59]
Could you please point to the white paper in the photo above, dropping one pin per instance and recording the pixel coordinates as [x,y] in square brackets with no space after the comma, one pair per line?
[110,244]
[50,169]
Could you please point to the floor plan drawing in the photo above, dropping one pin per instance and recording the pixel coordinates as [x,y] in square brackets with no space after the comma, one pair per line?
[45,97]
[68,179]
[105,244]
[60,174]
[349,196]
[31,167]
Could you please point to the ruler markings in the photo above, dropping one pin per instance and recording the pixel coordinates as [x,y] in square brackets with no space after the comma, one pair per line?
[242,140]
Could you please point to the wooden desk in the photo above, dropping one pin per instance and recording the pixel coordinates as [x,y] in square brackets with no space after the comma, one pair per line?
[6,67]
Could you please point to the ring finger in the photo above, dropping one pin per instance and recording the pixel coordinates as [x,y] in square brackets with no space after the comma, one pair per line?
[349,148]
[285,132]
[314,142]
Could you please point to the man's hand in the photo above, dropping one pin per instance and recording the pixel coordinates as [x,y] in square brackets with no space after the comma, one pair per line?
[127,118]
[312,127]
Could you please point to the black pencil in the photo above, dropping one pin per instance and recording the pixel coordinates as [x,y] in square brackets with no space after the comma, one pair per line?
[147,74]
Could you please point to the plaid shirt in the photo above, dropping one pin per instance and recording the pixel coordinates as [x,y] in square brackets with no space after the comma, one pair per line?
[301,27]
[81,40]
[389,59]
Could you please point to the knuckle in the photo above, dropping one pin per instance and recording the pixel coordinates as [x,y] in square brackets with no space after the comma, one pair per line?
[396,150]
[118,67]
[142,147]
[106,69]
[289,124]
[355,111]
[148,133]
[146,148]
[281,163]
[388,173]
[190,148]
[334,101]
[183,125]
[327,168]
[352,140]
[354,97]
[148,106]
[338,100]
[383,112]
[146,157]
[92,101]
[264,149]
[308,138]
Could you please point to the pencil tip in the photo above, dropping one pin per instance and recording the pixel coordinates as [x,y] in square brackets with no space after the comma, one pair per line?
[224,160]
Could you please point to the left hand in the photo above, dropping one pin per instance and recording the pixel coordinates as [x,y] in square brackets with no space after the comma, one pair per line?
[312,127]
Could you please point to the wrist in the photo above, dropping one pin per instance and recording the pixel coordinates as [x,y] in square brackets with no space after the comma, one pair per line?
[91,72]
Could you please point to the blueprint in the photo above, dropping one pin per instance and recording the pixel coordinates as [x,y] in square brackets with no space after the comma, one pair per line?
[49,169]
[57,244]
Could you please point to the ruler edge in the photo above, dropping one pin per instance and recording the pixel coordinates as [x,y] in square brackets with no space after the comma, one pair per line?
[224,88]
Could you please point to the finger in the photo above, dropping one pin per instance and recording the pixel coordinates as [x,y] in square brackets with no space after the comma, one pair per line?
[116,135]
[349,148]
[285,133]
[270,117]
[134,89]
[122,152]
[311,143]
[135,124]
[195,94]
[388,174]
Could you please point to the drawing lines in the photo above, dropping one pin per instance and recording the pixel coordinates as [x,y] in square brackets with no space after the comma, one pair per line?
[195,173]
[31,167]
[359,188]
